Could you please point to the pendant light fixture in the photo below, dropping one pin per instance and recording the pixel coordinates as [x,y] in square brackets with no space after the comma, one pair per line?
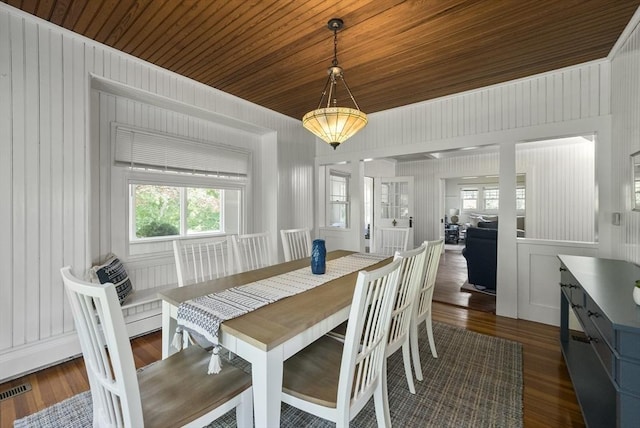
[332,123]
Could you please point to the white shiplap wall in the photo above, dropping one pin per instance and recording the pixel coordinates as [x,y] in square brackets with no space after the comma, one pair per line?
[47,155]
[566,95]
[625,108]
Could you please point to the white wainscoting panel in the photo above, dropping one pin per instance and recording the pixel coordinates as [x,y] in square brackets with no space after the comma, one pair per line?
[539,277]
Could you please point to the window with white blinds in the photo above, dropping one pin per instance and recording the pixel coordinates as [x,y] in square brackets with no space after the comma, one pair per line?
[137,148]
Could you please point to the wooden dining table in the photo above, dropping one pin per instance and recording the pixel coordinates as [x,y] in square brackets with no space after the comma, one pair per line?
[269,335]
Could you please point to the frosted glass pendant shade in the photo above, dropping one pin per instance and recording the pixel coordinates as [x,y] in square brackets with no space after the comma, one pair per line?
[334,125]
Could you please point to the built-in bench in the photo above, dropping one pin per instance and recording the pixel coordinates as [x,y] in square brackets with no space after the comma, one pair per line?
[143,297]
[142,309]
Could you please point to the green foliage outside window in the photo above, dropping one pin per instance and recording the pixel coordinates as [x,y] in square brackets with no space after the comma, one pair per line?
[203,210]
[158,210]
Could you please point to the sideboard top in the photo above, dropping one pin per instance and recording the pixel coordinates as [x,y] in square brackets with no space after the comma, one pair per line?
[610,284]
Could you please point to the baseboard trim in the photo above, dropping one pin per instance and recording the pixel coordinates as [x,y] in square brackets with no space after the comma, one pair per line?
[33,357]
[36,356]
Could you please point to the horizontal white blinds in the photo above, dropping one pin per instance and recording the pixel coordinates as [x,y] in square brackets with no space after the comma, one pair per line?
[146,149]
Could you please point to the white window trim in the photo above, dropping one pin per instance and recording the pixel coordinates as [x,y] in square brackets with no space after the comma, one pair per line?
[330,203]
[178,180]
[122,177]
[477,199]
[484,199]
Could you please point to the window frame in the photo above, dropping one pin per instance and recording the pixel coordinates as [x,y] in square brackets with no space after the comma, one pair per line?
[463,199]
[346,203]
[488,190]
[523,198]
[172,179]
[183,227]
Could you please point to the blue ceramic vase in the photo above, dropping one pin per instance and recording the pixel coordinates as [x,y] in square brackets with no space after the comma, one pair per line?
[318,257]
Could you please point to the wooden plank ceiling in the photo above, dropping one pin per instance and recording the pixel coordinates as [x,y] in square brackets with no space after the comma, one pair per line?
[275,52]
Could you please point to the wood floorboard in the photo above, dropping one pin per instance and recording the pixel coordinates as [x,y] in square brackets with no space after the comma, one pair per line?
[548,396]
[452,274]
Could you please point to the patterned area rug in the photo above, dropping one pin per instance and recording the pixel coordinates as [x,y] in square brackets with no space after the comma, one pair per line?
[476,381]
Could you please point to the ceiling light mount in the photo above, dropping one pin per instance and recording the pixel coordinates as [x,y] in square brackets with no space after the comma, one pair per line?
[331,123]
[335,24]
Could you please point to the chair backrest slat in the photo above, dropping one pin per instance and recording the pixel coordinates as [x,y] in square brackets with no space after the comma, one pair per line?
[252,251]
[388,240]
[107,352]
[412,270]
[425,293]
[365,339]
[202,259]
[296,243]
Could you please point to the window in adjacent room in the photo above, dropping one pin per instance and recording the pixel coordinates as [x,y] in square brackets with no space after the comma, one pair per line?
[491,196]
[339,199]
[469,199]
[520,198]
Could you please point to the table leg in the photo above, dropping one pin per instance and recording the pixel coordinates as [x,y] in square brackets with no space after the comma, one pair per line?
[169,325]
[266,369]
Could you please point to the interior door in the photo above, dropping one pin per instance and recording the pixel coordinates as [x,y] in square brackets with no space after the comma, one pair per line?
[393,202]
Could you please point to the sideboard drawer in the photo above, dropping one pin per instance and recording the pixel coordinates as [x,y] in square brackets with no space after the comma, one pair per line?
[602,323]
[573,292]
[597,341]
[606,374]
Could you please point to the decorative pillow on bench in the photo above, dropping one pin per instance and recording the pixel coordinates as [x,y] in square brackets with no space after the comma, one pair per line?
[112,270]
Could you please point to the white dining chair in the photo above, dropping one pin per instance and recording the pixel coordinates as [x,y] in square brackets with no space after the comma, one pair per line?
[296,243]
[335,380]
[252,251]
[202,259]
[173,392]
[391,239]
[411,275]
[422,307]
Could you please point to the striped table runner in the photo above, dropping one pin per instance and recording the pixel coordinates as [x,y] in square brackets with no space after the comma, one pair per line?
[203,315]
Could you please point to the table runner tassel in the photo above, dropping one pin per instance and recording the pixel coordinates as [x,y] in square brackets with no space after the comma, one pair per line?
[215,364]
[177,339]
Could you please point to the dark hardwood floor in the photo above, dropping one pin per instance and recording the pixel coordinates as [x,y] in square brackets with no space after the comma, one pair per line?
[452,274]
[548,396]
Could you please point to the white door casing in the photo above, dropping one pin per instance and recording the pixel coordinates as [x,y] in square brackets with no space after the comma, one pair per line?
[393,201]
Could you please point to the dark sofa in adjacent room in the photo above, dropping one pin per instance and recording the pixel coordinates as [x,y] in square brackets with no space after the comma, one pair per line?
[481,252]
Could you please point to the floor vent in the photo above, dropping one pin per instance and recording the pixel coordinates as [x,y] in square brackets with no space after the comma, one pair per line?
[16,390]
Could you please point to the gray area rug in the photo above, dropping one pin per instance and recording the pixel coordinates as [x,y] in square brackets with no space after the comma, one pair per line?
[476,381]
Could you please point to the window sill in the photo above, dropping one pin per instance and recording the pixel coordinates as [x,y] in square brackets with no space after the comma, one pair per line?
[335,229]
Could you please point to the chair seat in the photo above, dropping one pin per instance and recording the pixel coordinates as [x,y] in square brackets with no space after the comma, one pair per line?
[312,374]
[169,402]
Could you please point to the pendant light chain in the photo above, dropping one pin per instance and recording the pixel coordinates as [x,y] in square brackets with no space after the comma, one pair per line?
[334,82]
[335,47]
[334,124]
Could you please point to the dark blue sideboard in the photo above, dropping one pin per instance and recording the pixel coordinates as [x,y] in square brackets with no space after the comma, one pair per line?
[604,362]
